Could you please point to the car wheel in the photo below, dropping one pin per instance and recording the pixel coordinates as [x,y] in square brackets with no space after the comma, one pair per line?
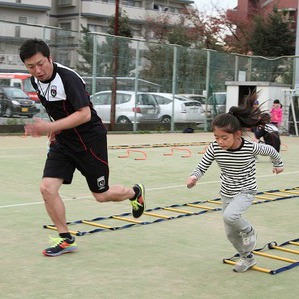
[8,112]
[166,119]
[123,120]
[30,116]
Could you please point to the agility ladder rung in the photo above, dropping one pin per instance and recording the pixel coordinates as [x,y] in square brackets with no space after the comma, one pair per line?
[173,212]
[230,262]
[272,246]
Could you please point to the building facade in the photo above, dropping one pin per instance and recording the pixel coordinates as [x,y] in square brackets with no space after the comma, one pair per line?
[247,9]
[70,16]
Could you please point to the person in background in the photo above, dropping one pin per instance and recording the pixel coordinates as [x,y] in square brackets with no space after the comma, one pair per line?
[235,157]
[276,113]
[78,141]
[268,132]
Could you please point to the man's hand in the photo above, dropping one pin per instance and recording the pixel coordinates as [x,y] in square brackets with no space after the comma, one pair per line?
[38,128]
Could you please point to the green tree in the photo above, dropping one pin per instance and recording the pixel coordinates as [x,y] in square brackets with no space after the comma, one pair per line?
[84,66]
[272,36]
[105,50]
[206,30]
[160,56]
[124,28]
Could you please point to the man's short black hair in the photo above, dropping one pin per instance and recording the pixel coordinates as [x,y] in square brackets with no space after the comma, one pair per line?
[32,47]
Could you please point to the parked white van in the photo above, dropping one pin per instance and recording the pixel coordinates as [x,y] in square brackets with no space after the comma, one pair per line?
[144,107]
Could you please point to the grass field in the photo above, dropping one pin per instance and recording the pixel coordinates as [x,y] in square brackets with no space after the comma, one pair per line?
[181,258]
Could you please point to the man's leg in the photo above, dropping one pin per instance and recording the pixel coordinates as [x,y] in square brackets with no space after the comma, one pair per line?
[56,210]
[54,205]
[136,194]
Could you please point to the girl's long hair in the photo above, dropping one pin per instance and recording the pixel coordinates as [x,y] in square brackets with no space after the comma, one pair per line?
[239,118]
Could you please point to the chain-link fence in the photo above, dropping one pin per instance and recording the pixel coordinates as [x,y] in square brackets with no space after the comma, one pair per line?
[107,62]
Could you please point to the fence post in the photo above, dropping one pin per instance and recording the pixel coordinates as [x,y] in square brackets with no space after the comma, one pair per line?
[137,57]
[174,72]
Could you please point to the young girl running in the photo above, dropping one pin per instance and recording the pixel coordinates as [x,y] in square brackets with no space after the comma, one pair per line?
[268,131]
[235,157]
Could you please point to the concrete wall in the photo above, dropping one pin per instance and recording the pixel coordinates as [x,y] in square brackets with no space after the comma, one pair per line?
[268,92]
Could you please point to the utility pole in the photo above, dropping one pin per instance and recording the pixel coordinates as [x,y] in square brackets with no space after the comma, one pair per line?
[114,66]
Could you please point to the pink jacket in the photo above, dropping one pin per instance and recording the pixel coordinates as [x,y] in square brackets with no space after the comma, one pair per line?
[276,115]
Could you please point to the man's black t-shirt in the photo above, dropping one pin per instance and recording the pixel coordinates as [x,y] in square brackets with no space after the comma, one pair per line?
[63,94]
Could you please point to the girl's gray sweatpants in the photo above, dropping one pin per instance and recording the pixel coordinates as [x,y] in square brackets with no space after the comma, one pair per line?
[232,210]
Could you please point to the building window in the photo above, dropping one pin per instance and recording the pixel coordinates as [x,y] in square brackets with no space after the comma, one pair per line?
[66,31]
[94,28]
[18,31]
[133,3]
[66,26]
[27,20]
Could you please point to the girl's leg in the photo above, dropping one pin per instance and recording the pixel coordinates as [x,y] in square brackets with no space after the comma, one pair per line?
[238,230]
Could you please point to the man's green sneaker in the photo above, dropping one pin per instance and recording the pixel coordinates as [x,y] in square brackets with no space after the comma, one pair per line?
[138,204]
[60,246]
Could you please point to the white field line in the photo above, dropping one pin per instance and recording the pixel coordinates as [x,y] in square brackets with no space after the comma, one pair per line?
[17,156]
[149,189]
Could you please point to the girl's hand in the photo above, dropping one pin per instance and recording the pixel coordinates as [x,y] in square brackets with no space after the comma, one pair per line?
[277,170]
[191,181]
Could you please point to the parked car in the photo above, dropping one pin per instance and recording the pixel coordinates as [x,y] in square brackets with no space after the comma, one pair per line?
[217,103]
[147,108]
[185,111]
[196,97]
[14,101]
[19,80]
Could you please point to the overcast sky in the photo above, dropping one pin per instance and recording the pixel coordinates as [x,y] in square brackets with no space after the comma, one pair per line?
[207,5]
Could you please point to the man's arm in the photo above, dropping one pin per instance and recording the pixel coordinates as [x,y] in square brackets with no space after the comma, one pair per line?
[41,127]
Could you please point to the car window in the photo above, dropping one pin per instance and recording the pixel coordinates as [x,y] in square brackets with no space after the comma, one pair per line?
[5,82]
[27,85]
[15,93]
[162,100]
[182,99]
[221,99]
[198,98]
[217,99]
[145,99]
[101,99]
[122,98]
[193,103]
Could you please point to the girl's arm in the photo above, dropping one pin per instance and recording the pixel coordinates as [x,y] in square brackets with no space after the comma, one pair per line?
[202,167]
[268,150]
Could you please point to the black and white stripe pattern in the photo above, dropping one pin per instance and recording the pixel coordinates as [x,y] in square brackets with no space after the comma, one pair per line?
[238,171]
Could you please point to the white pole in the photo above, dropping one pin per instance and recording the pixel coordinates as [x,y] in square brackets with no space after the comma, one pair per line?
[296,87]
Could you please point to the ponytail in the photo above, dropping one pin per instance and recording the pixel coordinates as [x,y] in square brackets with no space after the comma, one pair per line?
[239,118]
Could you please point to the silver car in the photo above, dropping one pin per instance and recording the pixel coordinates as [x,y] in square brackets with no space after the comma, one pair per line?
[185,111]
[217,103]
[145,107]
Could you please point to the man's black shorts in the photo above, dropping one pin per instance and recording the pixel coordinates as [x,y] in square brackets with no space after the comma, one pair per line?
[93,164]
